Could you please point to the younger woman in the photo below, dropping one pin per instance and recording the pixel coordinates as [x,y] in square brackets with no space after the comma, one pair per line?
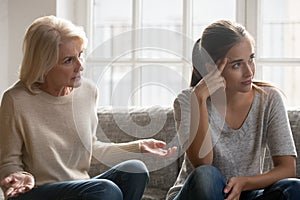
[226,121]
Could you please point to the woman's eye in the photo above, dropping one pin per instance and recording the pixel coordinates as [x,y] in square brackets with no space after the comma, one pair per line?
[236,65]
[252,58]
[68,60]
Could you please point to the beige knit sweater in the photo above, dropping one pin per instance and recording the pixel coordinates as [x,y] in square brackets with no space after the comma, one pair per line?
[53,138]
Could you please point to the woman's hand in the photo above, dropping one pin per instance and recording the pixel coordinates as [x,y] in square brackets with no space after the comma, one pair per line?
[155,147]
[284,167]
[234,187]
[17,183]
[211,82]
[200,151]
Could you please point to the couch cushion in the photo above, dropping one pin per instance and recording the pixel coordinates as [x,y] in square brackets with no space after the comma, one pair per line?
[294,118]
[127,124]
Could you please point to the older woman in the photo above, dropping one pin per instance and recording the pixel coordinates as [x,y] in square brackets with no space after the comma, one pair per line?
[48,122]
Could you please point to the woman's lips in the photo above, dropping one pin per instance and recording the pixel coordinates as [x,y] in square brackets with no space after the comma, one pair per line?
[248,82]
[77,77]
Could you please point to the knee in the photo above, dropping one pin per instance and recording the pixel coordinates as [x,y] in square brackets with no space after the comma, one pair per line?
[208,176]
[205,172]
[287,183]
[102,189]
[205,181]
[289,188]
[135,169]
[138,166]
[135,166]
[291,184]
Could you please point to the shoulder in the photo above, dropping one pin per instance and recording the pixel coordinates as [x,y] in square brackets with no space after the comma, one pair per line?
[269,92]
[181,104]
[15,97]
[17,91]
[272,98]
[184,95]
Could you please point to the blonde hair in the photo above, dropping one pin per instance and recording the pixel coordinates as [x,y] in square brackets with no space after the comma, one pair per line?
[41,48]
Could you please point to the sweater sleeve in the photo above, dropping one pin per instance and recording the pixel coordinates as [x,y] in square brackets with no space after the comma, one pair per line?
[113,153]
[11,142]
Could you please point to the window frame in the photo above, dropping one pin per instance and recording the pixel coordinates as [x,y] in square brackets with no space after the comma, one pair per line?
[247,13]
[251,20]
[135,61]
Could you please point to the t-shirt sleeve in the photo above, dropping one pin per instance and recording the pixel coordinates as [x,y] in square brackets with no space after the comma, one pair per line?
[279,135]
[182,117]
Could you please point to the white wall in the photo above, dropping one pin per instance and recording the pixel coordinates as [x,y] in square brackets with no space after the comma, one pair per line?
[3,51]
[3,45]
[16,16]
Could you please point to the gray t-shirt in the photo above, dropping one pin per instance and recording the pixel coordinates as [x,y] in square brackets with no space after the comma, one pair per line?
[239,152]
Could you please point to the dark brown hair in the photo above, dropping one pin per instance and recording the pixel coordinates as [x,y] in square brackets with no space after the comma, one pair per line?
[217,39]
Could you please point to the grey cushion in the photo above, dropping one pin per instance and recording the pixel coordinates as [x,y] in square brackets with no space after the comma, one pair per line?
[125,124]
[115,125]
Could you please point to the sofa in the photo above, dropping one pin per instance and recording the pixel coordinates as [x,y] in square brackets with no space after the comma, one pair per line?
[115,125]
[127,124]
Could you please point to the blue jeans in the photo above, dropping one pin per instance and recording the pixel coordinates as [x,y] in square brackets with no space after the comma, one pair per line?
[126,180]
[206,182]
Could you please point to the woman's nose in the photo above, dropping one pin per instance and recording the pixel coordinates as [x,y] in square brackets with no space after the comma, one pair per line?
[79,64]
[248,72]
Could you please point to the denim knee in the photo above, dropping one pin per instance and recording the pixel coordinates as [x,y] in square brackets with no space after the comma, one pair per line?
[140,167]
[205,181]
[290,188]
[132,178]
[134,166]
[206,173]
[102,189]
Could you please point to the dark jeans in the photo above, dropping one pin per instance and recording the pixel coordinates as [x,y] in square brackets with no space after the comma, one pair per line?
[207,183]
[126,180]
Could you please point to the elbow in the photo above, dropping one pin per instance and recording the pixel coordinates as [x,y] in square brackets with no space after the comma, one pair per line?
[286,164]
[198,160]
[293,172]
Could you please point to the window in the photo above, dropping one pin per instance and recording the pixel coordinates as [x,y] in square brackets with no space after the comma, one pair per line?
[278,42]
[141,49]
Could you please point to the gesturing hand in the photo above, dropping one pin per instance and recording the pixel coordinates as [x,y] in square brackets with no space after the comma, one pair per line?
[155,147]
[17,183]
